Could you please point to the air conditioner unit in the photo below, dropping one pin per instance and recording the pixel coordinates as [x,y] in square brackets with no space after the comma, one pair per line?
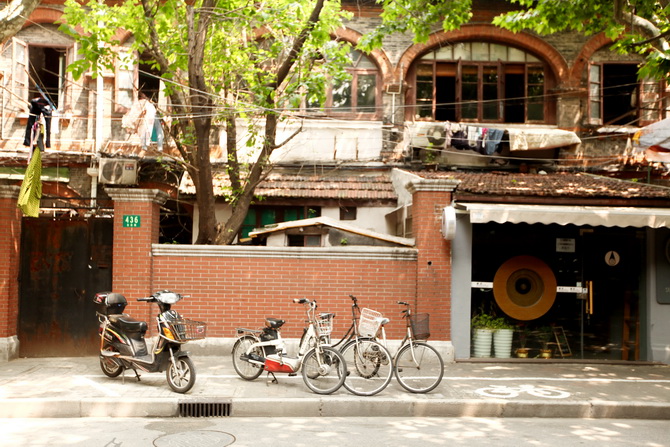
[114,171]
[427,134]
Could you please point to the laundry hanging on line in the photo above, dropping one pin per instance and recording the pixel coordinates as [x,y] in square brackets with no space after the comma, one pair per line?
[38,128]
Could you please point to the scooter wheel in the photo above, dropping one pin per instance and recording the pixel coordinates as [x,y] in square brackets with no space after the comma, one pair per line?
[181,377]
[110,367]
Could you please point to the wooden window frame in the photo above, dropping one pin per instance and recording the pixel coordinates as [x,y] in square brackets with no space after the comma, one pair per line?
[460,64]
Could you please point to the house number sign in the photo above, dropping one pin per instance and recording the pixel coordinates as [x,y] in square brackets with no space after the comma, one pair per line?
[131,221]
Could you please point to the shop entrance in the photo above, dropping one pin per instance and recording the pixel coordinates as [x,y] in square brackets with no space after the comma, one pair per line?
[595,272]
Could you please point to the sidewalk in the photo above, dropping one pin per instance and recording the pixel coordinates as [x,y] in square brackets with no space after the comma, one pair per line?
[76,387]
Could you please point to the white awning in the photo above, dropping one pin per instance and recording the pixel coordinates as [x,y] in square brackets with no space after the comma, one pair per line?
[564,215]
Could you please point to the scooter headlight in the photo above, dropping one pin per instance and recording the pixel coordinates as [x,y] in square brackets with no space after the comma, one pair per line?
[168,333]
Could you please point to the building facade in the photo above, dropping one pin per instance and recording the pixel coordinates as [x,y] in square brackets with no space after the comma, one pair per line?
[506,157]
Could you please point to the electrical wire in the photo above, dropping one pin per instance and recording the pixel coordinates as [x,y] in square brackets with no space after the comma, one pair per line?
[304,113]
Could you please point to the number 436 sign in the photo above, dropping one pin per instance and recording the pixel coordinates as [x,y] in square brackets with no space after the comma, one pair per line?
[131,221]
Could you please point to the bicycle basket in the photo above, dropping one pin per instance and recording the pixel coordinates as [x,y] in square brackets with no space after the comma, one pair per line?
[369,322]
[185,330]
[324,324]
[420,326]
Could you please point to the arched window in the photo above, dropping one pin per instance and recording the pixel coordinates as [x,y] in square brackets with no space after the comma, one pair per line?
[358,95]
[481,82]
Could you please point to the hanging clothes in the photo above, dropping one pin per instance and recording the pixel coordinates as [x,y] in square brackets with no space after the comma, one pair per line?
[30,193]
[493,138]
[39,109]
[140,120]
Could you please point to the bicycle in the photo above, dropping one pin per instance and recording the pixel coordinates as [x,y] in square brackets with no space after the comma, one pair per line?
[323,367]
[369,363]
[418,366]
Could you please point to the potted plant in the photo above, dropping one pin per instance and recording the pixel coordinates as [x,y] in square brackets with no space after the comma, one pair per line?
[502,337]
[544,337]
[429,158]
[522,350]
[482,327]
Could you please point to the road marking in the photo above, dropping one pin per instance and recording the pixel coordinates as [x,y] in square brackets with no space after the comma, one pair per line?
[507,392]
[86,381]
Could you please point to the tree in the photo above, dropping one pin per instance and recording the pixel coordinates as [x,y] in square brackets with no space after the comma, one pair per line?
[639,26]
[224,61]
[13,15]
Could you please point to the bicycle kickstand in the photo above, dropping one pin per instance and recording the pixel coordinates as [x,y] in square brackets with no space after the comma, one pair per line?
[274,378]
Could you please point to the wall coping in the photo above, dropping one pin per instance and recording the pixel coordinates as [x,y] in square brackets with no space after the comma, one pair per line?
[137,195]
[242,251]
[441,185]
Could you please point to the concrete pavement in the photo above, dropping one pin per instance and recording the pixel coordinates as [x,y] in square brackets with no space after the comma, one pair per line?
[76,387]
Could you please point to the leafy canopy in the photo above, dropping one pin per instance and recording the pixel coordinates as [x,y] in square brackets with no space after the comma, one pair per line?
[635,26]
[245,44]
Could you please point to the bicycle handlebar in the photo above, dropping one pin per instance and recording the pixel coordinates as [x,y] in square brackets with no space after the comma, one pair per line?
[305,301]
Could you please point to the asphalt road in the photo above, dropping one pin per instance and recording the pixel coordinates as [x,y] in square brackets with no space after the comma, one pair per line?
[322,432]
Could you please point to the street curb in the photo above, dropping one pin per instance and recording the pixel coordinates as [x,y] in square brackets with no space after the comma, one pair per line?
[334,407]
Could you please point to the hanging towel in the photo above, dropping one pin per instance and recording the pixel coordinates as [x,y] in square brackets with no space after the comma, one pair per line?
[31,188]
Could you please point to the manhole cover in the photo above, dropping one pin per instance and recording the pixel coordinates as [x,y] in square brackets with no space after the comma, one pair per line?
[197,438]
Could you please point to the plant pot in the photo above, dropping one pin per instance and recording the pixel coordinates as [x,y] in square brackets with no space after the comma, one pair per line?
[522,353]
[483,339]
[502,343]
[545,353]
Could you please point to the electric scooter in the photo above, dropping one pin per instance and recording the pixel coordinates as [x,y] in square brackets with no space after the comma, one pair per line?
[122,343]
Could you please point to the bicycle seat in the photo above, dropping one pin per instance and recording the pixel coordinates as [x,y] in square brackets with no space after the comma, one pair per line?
[274,323]
[383,321]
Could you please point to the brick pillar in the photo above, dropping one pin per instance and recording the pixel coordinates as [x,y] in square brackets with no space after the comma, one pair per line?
[10,241]
[133,264]
[433,288]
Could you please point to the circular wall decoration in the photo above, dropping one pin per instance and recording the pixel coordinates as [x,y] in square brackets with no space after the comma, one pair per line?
[524,287]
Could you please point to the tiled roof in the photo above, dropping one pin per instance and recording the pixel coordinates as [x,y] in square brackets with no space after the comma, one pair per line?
[553,185]
[328,186]
[366,186]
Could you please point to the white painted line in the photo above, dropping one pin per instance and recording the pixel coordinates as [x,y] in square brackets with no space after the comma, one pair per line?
[86,381]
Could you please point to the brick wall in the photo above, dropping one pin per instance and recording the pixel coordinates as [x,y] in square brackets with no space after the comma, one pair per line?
[242,286]
[233,287]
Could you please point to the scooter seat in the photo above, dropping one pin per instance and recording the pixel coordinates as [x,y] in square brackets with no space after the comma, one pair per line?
[275,323]
[127,323]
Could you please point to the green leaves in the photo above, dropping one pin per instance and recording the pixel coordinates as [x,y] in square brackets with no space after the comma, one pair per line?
[631,24]
[417,17]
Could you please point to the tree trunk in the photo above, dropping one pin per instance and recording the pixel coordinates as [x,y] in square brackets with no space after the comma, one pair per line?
[227,234]
[14,15]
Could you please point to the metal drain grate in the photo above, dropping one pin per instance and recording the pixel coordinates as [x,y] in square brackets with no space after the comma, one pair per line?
[204,409]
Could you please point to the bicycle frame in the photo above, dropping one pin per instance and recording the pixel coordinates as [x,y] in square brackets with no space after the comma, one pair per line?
[323,368]
[279,360]
[407,339]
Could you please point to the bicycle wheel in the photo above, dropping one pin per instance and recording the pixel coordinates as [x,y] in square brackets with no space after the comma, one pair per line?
[419,367]
[369,367]
[245,369]
[324,370]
